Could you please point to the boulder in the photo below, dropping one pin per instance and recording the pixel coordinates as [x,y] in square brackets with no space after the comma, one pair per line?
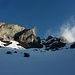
[9,52]
[26,55]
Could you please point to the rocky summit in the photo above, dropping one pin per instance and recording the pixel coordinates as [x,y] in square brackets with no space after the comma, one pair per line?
[14,32]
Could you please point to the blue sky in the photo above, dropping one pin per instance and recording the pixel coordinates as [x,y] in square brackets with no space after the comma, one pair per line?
[43,14]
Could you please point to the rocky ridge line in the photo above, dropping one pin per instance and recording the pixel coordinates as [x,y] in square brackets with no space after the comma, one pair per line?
[27,38]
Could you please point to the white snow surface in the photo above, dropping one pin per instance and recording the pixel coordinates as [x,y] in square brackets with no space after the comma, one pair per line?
[41,62]
[2,44]
[14,45]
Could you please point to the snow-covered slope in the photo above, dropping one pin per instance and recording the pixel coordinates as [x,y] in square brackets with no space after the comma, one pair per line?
[40,62]
[12,44]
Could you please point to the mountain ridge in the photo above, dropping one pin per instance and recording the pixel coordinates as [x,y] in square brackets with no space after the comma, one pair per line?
[27,38]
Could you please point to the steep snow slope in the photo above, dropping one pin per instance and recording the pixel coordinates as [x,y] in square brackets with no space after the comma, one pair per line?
[60,62]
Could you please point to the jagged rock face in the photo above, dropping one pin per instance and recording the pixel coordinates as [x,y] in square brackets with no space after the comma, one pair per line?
[14,32]
[28,36]
[53,43]
[7,31]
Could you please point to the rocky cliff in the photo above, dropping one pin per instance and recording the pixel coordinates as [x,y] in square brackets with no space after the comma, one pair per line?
[14,32]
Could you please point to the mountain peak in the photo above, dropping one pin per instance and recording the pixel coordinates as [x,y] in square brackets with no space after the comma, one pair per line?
[16,33]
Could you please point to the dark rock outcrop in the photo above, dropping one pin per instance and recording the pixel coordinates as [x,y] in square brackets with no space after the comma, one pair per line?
[9,52]
[72,46]
[53,43]
[26,55]
[57,45]
[37,43]
[49,37]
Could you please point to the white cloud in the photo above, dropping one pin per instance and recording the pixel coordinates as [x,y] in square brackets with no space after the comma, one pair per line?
[68,30]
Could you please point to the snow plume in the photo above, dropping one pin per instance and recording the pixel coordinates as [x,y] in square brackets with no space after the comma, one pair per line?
[68,30]
[51,32]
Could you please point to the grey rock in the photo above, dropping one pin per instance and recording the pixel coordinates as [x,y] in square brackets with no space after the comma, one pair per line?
[7,31]
[14,32]
[28,36]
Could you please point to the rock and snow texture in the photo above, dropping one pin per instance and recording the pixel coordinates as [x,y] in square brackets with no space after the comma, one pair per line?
[12,44]
[2,44]
[15,45]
